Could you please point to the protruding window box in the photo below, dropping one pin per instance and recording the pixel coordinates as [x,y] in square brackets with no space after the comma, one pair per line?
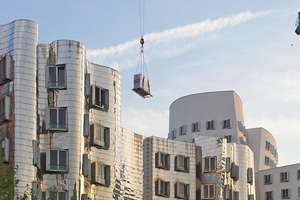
[182,163]
[142,86]
[100,174]
[56,78]
[162,188]
[57,160]
[5,110]
[99,136]
[5,149]
[56,119]
[162,160]
[182,191]
[86,166]
[99,98]
[6,69]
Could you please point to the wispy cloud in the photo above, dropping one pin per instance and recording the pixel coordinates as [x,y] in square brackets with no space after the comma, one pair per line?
[167,43]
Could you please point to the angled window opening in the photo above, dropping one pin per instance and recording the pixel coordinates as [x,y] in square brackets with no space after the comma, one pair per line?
[100,174]
[100,136]
[5,109]
[100,98]
[162,188]
[162,160]
[182,191]
[182,163]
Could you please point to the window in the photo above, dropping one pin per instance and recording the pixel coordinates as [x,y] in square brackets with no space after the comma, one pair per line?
[58,119]
[234,174]
[173,134]
[100,98]
[298,191]
[162,188]
[209,191]
[268,145]
[100,136]
[269,195]
[100,174]
[271,148]
[210,164]
[268,179]
[162,160]
[182,163]
[267,161]
[182,130]
[285,193]
[284,177]
[6,69]
[210,125]
[249,175]
[57,160]
[5,149]
[5,109]
[251,197]
[182,191]
[226,124]
[196,127]
[62,195]
[272,164]
[236,195]
[56,77]
[228,137]
[298,174]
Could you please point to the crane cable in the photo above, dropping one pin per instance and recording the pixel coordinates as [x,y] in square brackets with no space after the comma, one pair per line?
[142,62]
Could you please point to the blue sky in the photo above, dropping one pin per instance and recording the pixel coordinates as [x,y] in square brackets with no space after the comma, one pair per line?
[191,46]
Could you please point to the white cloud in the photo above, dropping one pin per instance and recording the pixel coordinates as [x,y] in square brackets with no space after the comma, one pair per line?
[167,43]
[146,122]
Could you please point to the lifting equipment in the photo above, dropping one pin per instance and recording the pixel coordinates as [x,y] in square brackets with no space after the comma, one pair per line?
[142,85]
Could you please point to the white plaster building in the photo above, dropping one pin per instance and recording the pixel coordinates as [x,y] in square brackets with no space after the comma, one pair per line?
[279,183]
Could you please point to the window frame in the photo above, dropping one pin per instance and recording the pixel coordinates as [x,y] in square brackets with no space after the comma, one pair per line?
[268,145]
[162,160]
[57,127]
[59,167]
[196,127]
[182,130]
[57,85]
[104,141]
[210,125]
[298,174]
[267,160]
[210,169]
[162,188]
[229,138]
[268,179]
[209,195]
[182,187]
[182,163]
[6,69]
[284,176]
[173,133]
[285,193]
[269,195]
[104,174]
[97,100]
[226,124]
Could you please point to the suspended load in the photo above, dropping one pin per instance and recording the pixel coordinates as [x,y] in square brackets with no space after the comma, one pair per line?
[297,31]
[141,84]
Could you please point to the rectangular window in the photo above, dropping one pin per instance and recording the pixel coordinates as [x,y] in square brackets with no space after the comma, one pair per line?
[100,136]
[271,148]
[162,188]
[228,137]
[62,195]
[58,160]
[267,161]
[56,77]
[269,195]
[226,124]
[268,179]
[196,127]
[285,193]
[210,125]
[236,195]
[5,149]
[6,69]
[298,174]
[173,134]
[298,191]
[5,109]
[182,163]
[58,119]
[182,130]
[209,191]
[284,177]
[100,174]
[268,145]
[162,160]
[100,98]
[272,164]
[210,164]
[249,175]
[182,190]
[234,174]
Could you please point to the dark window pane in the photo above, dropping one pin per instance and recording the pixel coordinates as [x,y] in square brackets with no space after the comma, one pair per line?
[102,97]
[97,96]
[205,191]
[52,74]
[211,190]
[206,163]
[61,196]
[53,157]
[61,74]
[62,158]
[62,116]
[53,116]
[212,163]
